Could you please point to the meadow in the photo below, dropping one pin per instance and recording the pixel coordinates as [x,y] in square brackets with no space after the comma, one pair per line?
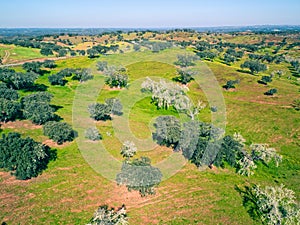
[70,190]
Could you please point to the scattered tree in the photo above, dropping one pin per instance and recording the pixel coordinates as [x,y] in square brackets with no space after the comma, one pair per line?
[93,134]
[106,216]
[59,132]
[254,66]
[128,150]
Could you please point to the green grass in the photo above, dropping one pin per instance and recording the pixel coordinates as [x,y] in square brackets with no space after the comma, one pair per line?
[69,191]
[17,53]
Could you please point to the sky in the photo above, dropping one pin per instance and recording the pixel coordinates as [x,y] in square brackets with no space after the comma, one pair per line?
[146,14]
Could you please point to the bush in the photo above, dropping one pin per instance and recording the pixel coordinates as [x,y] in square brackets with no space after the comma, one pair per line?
[93,134]
[296,104]
[59,132]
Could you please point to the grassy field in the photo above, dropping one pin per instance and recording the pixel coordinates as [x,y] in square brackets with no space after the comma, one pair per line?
[69,191]
[12,53]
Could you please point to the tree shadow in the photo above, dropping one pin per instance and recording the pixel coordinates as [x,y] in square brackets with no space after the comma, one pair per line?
[36,87]
[56,107]
[245,71]
[249,202]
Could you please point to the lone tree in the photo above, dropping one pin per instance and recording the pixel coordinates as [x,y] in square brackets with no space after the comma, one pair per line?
[102,65]
[186,60]
[272,91]
[59,132]
[106,216]
[265,80]
[116,77]
[274,205]
[254,66]
[24,157]
[93,134]
[99,111]
[128,150]
[230,84]
[185,76]
[140,176]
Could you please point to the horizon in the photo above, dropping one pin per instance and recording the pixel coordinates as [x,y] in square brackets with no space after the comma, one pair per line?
[154,14]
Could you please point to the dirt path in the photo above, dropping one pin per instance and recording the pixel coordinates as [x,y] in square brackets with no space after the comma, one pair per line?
[33,60]
[6,56]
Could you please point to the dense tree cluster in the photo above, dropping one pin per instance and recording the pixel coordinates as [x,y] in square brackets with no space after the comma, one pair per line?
[77,74]
[37,108]
[24,157]
[17,80]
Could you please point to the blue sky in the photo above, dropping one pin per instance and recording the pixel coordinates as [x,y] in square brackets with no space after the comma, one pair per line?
[153,13]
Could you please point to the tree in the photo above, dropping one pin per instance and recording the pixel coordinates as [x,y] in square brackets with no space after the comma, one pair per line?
[230,152]
[274,205]
[272,91]
[102,66]
[136,47]
[62,52]
[185,76]
[32,67]
[186,60]
[83,75]
[163,94]
[24,157]
[46,51]
[8,93]
[99,111]
[116,77]
[254,66]
[49,64]
[106,216]
[265,154]
[115,106]
[9,110]
[36,107]
[139,175]
[128,150]
[168,130]
[57,79]
[230,84]
[93,134]
[18,80]
[92,53]
[228,59]
[265,80]
[188,139]
[59,132]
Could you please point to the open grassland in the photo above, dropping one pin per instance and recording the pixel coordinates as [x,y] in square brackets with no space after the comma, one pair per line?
[12,53]
[69,191]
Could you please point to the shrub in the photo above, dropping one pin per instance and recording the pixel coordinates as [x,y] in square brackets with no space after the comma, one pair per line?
[59,132]
[93,134]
